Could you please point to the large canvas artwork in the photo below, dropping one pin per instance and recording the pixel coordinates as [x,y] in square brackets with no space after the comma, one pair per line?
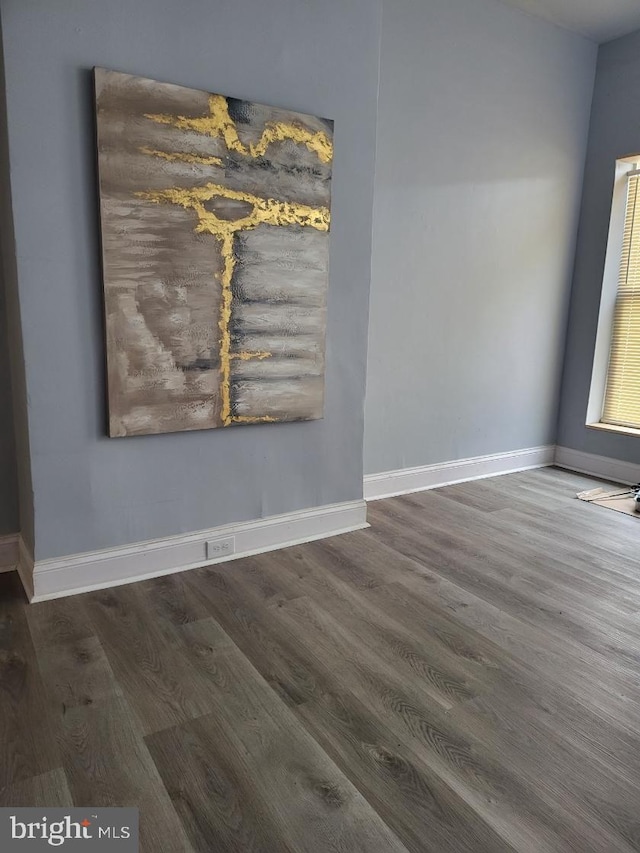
[215,220]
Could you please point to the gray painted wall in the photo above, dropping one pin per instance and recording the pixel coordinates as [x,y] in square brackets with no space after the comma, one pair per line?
[9,517]
[15,467]
[483,116]
[614,133]
[93,492]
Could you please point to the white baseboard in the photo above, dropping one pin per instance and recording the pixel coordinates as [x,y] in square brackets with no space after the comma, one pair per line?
[77,573]
[9,552]
[25,567]
[115,566]
[406,480]
[597,466]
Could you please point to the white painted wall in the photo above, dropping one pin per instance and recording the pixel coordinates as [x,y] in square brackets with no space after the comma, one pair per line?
[482,123]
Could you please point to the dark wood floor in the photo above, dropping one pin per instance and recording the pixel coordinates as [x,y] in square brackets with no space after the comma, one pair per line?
[463,676]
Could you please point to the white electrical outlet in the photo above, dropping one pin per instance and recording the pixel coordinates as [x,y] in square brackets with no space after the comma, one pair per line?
[221,547]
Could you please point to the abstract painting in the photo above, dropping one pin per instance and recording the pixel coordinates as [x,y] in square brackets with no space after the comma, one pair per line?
[215,217]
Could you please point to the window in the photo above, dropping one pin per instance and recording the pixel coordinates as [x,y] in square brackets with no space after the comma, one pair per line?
[622,391]
[614,399]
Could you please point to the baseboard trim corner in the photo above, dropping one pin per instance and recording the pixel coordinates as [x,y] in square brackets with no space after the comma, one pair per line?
[78,573]
[25,567]
[603,467]
[388,484]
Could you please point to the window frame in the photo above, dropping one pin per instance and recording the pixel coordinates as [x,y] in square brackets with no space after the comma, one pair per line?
[625,166]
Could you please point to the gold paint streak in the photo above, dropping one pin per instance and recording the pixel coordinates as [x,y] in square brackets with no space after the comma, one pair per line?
[260,419]
[247,356]
[318,143]
[182,158]
[219,124]
[266,211]
[223,325]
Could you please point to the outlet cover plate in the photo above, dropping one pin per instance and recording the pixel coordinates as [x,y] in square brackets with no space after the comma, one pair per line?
[222,547]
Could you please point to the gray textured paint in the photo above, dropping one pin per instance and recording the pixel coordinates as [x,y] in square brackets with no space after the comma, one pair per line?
[9,515]
[15,463]
[614,133]
[483,116]
[320,58]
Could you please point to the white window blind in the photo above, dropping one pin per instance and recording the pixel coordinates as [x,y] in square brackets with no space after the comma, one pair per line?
[622,395]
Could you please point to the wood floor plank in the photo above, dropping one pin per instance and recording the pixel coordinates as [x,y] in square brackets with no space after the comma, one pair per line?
[606,842]
[425,812]
[98,735]
[251,749]
[462,676]
[611,692]
[72,662]
[212,797]
[49,790]
[559,568]
[383,772]
[243,619]
[27,743]
[457,756]
[170,598]
[107,763]
[158,682]
[450,672]
[609,558]
[609,688]
[472,564]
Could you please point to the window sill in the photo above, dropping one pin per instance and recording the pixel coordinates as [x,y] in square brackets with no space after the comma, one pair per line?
[614,428]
